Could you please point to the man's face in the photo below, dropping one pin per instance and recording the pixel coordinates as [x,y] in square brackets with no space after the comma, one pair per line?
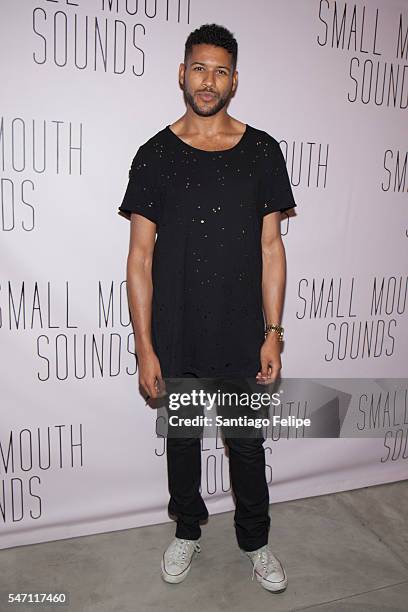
[207,79]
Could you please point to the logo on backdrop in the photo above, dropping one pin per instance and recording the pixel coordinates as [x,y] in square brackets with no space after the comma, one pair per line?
[307,163]
[358,320]
[377,73]
[63,347]
[396,175]
[26,456]
[30,150]
[111,39]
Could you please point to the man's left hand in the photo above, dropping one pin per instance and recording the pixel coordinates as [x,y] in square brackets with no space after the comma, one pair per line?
[270,360]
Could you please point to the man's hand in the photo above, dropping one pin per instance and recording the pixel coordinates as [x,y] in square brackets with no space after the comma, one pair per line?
[150,377]
[270,360]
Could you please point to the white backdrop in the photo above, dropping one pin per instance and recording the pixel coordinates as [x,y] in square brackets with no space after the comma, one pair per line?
[83,84]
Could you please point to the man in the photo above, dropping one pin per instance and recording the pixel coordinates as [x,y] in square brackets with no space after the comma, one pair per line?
[200,295]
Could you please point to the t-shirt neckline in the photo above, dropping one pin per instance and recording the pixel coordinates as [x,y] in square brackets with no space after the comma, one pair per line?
[185,144]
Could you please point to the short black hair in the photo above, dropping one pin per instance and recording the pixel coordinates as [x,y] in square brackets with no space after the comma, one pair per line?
[212,34]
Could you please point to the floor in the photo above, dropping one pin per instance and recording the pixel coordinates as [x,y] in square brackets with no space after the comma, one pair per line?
[342,552]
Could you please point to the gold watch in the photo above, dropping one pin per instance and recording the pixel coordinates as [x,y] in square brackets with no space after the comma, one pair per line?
[276,328]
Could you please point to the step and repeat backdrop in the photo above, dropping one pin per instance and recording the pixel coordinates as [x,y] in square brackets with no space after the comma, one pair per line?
[83,84]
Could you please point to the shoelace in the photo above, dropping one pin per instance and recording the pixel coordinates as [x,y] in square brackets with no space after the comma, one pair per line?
[179,552]
[264,557]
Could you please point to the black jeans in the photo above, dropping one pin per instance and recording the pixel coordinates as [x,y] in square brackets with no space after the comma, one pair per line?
[248,481]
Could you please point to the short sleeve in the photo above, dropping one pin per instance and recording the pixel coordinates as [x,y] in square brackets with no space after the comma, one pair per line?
[275,190]
[142,194]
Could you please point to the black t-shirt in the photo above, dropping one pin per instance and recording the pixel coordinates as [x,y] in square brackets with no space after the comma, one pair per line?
[208,206]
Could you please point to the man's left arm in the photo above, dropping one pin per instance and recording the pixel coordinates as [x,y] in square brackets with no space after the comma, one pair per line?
[273,291]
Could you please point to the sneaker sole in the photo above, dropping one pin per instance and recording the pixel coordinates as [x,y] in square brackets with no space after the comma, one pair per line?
[170,579]
[270,586]
[274,587]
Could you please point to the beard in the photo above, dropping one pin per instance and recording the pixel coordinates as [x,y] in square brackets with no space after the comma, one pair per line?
[211,108]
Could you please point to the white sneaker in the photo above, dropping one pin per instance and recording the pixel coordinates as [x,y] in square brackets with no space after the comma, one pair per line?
[176,561]
[268,569]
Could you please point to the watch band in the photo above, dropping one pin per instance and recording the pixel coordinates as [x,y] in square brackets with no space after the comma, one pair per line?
[276,328]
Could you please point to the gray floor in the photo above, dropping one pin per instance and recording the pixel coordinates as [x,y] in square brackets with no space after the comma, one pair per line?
[343,552]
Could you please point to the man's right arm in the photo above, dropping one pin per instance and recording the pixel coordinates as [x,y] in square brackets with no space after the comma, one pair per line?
[140,292]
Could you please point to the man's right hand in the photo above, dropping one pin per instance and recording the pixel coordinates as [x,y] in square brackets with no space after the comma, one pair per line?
[150,377]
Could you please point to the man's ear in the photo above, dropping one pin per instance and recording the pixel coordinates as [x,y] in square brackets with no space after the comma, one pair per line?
[235,80]
[181,73]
